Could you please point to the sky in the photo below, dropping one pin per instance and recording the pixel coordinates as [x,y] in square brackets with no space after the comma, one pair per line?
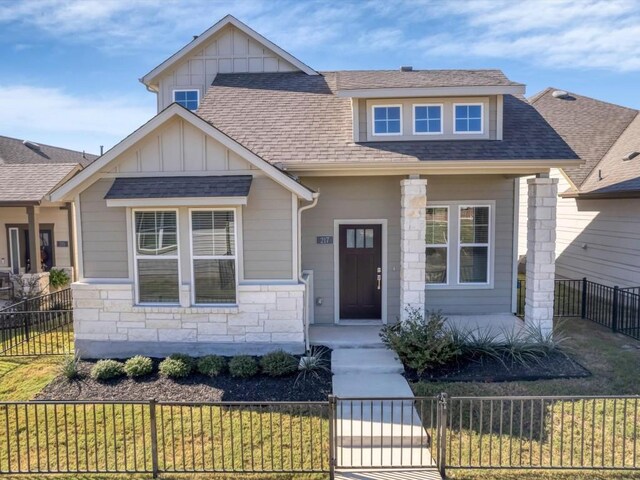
[69,69]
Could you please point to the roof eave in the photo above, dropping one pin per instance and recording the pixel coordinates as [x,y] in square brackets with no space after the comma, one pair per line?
[432,91]
[601,195]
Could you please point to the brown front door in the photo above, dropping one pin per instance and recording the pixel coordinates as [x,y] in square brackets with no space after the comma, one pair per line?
[360,271]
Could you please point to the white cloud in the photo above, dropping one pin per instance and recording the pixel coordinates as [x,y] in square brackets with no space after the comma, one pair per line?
[56,117]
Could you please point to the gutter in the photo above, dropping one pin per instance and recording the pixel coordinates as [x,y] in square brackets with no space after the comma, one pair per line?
[305,315]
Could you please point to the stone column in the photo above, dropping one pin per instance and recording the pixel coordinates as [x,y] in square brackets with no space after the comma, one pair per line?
[412,244]
[541,245]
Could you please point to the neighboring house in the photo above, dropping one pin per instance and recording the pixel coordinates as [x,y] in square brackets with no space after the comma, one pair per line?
[598,225]
[36,233]
[266,195]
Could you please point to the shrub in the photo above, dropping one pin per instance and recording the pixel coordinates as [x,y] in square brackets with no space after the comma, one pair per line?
[138,366]
[420,344]
[107,369]
[69,367]
[176,366]
[313,363]
[58,278]
[243,366]
[212,365]
[278,364]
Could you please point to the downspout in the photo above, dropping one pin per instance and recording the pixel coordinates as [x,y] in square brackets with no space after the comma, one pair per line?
[305,310]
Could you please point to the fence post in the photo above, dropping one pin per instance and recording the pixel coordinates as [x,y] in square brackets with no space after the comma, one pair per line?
[441,431]
[615,308]
[332,438]
[583,308]
[154,438]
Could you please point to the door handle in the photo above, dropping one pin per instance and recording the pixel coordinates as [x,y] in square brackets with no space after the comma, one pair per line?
[379,277]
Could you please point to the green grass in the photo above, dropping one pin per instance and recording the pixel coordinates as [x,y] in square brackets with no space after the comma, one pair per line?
[614,439]
[21,378]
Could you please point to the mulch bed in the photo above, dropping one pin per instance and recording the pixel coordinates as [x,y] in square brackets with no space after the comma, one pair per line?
[556,365]
[195,388]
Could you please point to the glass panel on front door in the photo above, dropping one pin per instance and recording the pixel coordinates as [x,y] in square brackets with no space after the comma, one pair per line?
[360,238]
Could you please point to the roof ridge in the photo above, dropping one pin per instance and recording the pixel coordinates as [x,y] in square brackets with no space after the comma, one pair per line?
[21,140]
[604,102]
[534,98]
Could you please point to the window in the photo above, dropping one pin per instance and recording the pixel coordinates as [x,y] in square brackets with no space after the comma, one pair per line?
[467,118]
[359,237]
[186,98]
[473,254]
[387,120]
[156,256]
[427,119]
[213,253]
[437,239]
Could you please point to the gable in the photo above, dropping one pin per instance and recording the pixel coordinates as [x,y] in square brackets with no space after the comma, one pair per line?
[178,146]
[177,140]
[229,51]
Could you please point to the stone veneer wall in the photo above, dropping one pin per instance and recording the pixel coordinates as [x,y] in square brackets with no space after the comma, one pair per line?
[541,255]
[413,258]
[108,324]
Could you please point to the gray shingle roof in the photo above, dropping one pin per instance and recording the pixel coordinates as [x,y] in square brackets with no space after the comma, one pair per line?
[618,176]
[589,126]
[13,151]
[294,117]
[176,187]
[361,79]
[29,183]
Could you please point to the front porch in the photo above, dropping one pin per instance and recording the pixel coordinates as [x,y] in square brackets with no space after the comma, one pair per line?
[368,336]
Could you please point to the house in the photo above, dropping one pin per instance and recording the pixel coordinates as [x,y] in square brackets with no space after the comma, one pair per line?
[266,196]
[28,173]
[598,227]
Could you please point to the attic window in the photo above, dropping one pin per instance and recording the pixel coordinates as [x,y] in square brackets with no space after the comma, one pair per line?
[387,120]
[467,118]
[187,98]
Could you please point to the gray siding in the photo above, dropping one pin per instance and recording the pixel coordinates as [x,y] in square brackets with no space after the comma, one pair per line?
[379,198]
[267,234]
[479,187]
[350,198]
[597,239]
[104,234]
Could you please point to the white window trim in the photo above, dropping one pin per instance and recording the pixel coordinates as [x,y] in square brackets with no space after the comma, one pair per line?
[481,105]
[197,90]
[489,244]
[373,120]
[17,246]
[193,257]
[454,242]
[136,257]
[447,245]
[413,109]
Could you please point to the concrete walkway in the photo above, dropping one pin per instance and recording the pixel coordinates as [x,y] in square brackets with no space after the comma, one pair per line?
[383,430]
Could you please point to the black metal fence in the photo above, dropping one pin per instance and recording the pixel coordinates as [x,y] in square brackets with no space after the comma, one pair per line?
[614,307]
[41,325]
[154,437]
[588,433]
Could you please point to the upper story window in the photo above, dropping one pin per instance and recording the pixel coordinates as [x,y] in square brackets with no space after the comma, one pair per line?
[427,119]
[387,120]
[467,118]
[187,98]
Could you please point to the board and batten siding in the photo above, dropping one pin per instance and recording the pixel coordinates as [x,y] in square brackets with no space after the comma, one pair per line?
[597,239]
[230,51]
[379,198]
[104,234]
[179,148]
